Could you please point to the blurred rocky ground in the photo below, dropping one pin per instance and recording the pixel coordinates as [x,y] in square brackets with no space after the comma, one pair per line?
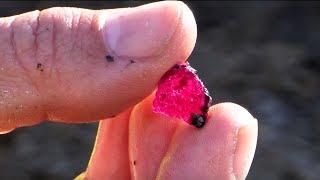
[262,55]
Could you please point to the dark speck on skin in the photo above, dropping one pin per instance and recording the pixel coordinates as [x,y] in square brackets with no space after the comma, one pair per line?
[40,67]
[109,58]
[130,62]
[134,162]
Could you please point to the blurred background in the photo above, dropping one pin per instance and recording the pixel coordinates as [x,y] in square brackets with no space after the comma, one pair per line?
[264,56]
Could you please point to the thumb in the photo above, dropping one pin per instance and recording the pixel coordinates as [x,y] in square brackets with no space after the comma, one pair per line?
[79,65]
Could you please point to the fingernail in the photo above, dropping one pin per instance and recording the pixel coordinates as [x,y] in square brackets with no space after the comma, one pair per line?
[142,31]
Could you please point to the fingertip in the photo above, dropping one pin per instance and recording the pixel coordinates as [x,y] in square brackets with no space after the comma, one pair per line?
[184,38]
[245,136]
[220,150]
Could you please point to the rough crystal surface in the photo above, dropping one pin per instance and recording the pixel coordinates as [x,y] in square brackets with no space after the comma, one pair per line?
[181,94]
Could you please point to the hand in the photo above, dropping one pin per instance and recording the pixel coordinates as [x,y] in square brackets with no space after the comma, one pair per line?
[76,65]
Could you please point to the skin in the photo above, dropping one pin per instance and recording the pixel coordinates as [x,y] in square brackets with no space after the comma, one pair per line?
[54,67]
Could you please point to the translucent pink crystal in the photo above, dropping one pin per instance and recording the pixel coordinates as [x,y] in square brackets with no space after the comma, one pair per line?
[181,94]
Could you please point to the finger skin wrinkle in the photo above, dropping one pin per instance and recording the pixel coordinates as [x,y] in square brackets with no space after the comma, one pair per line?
[77,52]
[17,54]
[37,47]
[19,59]
[35,34]
[23,43]
[49,46]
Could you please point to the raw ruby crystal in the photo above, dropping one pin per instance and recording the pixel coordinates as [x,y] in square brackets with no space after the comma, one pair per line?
[181,94]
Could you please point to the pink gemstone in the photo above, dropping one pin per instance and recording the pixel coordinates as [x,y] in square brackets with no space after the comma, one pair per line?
[181,94]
